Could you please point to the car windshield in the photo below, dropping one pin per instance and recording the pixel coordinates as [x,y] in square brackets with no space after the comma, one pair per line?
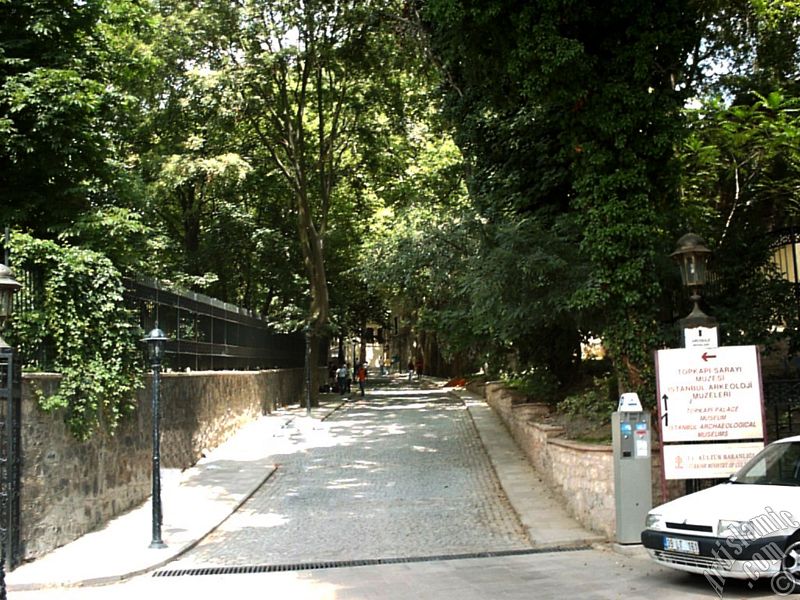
[777,464]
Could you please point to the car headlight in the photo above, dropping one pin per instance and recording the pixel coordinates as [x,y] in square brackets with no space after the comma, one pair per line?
[654,521]
[739,530]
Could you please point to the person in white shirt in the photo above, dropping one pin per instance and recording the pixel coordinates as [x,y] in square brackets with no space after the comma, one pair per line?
[341,378]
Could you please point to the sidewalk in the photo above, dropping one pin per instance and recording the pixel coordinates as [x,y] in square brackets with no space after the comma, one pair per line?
[542,514]
[194,503]
[197,500]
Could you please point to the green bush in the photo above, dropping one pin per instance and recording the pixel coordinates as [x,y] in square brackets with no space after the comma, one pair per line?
[538,384]
[594,404]
[79,315]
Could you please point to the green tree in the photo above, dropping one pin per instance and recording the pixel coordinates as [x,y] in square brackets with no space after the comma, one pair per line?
[314,83]
[65,70]
[742,182]
[569,115]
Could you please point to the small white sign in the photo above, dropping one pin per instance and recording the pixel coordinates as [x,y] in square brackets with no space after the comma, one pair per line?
[629,402]
[700,337]
[707,461]
[709,395]
[642,449]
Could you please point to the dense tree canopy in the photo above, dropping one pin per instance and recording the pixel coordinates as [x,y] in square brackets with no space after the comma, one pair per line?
[65,70]
[506,178]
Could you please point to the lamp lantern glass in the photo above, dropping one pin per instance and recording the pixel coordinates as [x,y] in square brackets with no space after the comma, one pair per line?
[692,258]
[8,287]
[156,341]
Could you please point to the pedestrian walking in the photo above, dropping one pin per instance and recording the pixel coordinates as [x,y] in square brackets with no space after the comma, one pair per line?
[419,367]
[362,377]
[341,379]
[410,369]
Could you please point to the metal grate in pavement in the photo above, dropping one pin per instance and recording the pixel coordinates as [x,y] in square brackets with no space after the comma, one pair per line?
[338,564]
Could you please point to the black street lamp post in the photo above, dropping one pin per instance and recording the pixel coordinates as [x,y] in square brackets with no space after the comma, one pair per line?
[156,342]
[8,287]
[692,257]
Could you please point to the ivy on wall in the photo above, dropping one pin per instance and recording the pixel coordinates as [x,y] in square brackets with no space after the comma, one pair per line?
[76,311]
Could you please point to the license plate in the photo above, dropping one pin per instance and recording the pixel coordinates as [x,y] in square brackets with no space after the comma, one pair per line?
[678,545]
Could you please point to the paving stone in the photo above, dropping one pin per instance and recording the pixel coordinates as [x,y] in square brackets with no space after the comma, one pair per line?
[384,477]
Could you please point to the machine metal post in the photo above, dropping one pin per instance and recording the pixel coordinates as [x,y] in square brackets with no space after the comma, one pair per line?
[631,441]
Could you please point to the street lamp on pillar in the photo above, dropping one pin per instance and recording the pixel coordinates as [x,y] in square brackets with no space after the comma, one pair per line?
[692,257]
[156,342]
[8,287]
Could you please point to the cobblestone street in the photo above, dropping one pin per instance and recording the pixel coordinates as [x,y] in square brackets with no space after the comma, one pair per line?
[399,473]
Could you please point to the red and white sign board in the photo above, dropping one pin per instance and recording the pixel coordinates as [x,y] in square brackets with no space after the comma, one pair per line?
[701,461]
[709,395]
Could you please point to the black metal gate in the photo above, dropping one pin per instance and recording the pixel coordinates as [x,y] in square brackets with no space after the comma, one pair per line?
[782,408]
[9,456]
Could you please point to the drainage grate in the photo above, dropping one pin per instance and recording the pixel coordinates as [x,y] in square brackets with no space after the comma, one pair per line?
[338,564]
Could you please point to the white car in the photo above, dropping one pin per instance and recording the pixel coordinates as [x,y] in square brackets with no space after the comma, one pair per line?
[746,528]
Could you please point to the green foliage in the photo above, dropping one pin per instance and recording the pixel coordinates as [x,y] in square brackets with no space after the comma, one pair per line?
[66,70]
[568,114]
[538,384]
[79,316]
[261,151]
[750,46]
[742,181]
[594,404]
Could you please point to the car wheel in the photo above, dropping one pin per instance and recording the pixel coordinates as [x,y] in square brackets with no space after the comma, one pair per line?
[788,580]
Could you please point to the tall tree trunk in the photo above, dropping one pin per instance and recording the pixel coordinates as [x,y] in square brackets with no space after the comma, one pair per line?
[314,261]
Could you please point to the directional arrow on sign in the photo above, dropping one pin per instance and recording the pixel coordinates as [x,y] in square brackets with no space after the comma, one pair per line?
[706,356]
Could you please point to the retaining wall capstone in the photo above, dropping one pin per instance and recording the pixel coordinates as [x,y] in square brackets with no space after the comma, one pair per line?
[69,488]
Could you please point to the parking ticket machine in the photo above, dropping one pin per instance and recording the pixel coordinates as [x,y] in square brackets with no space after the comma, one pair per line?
[631,441]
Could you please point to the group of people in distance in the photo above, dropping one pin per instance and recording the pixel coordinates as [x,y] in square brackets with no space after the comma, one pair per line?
[344,381]
[415,368]
[341,379]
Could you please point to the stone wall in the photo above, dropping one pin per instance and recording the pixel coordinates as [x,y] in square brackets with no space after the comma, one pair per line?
[69,488]
[582,474]
[202,410]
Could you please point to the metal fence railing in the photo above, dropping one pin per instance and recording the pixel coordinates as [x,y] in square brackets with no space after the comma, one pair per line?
[208,334]
[782,408]
[205,333]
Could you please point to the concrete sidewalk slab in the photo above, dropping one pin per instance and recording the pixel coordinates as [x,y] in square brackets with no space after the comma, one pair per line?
[540,510]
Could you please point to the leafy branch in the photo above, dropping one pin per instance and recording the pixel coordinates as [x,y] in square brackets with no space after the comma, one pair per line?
[80,317]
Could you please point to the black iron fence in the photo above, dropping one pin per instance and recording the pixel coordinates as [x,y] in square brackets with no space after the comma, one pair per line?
[208,334]
[205,333]
[782,408]
[9,462]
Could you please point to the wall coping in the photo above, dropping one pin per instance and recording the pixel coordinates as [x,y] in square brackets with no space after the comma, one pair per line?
[31,375]
[545,426]
[204,373]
